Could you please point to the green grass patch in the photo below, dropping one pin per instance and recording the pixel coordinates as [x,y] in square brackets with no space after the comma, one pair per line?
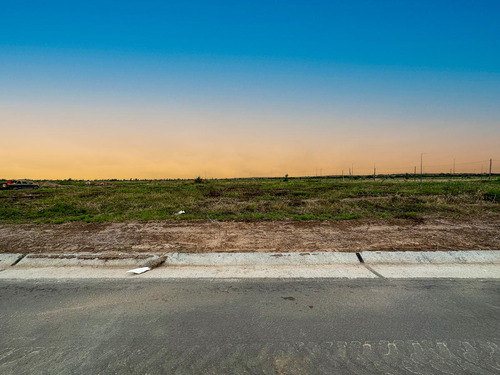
[251,200]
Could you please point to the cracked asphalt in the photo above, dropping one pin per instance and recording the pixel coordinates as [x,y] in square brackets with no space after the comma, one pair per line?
[315,326]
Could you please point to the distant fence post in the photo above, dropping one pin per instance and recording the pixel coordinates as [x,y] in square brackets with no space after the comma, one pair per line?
[421,167]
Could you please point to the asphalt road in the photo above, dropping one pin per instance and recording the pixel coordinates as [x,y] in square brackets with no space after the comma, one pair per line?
[319,326]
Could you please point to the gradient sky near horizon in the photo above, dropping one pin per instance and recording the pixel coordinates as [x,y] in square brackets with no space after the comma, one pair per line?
[177,89]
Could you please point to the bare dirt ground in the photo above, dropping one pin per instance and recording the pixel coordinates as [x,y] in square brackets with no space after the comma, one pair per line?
[276,236]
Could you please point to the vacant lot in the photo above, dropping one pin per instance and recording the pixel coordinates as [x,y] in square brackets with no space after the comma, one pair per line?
[252,215]
[320,199]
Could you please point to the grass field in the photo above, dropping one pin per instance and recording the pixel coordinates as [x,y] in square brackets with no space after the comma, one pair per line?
[252,200]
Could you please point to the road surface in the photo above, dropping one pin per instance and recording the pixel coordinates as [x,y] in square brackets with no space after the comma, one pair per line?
[319,326]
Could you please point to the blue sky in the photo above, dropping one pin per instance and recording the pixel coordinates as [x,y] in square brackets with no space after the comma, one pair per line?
[285,71]
[440,35]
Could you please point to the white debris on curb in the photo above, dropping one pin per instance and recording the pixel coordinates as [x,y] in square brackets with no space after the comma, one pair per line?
[140,270]
[180,212]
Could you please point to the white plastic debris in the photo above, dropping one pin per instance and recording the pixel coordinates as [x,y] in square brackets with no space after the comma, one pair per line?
[140,270]
[180,212]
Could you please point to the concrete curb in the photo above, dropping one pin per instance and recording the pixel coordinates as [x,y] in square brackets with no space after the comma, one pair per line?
[7,260]
[90,259]
[260,259]
[339,271]
[112,259]
[377,264]
[432,257]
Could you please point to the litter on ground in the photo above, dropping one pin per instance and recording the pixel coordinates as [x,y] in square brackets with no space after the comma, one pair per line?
[139,270]
[180,212]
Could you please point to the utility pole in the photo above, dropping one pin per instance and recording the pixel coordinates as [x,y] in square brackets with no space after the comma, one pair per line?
[415,172]
[491,163]
[342,175]
[421,166]
[374,172]
[453,165]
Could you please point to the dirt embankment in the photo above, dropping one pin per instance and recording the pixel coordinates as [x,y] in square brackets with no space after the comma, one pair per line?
[201,236]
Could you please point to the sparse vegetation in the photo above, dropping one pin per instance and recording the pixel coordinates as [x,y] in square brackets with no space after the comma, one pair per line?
[252,200]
